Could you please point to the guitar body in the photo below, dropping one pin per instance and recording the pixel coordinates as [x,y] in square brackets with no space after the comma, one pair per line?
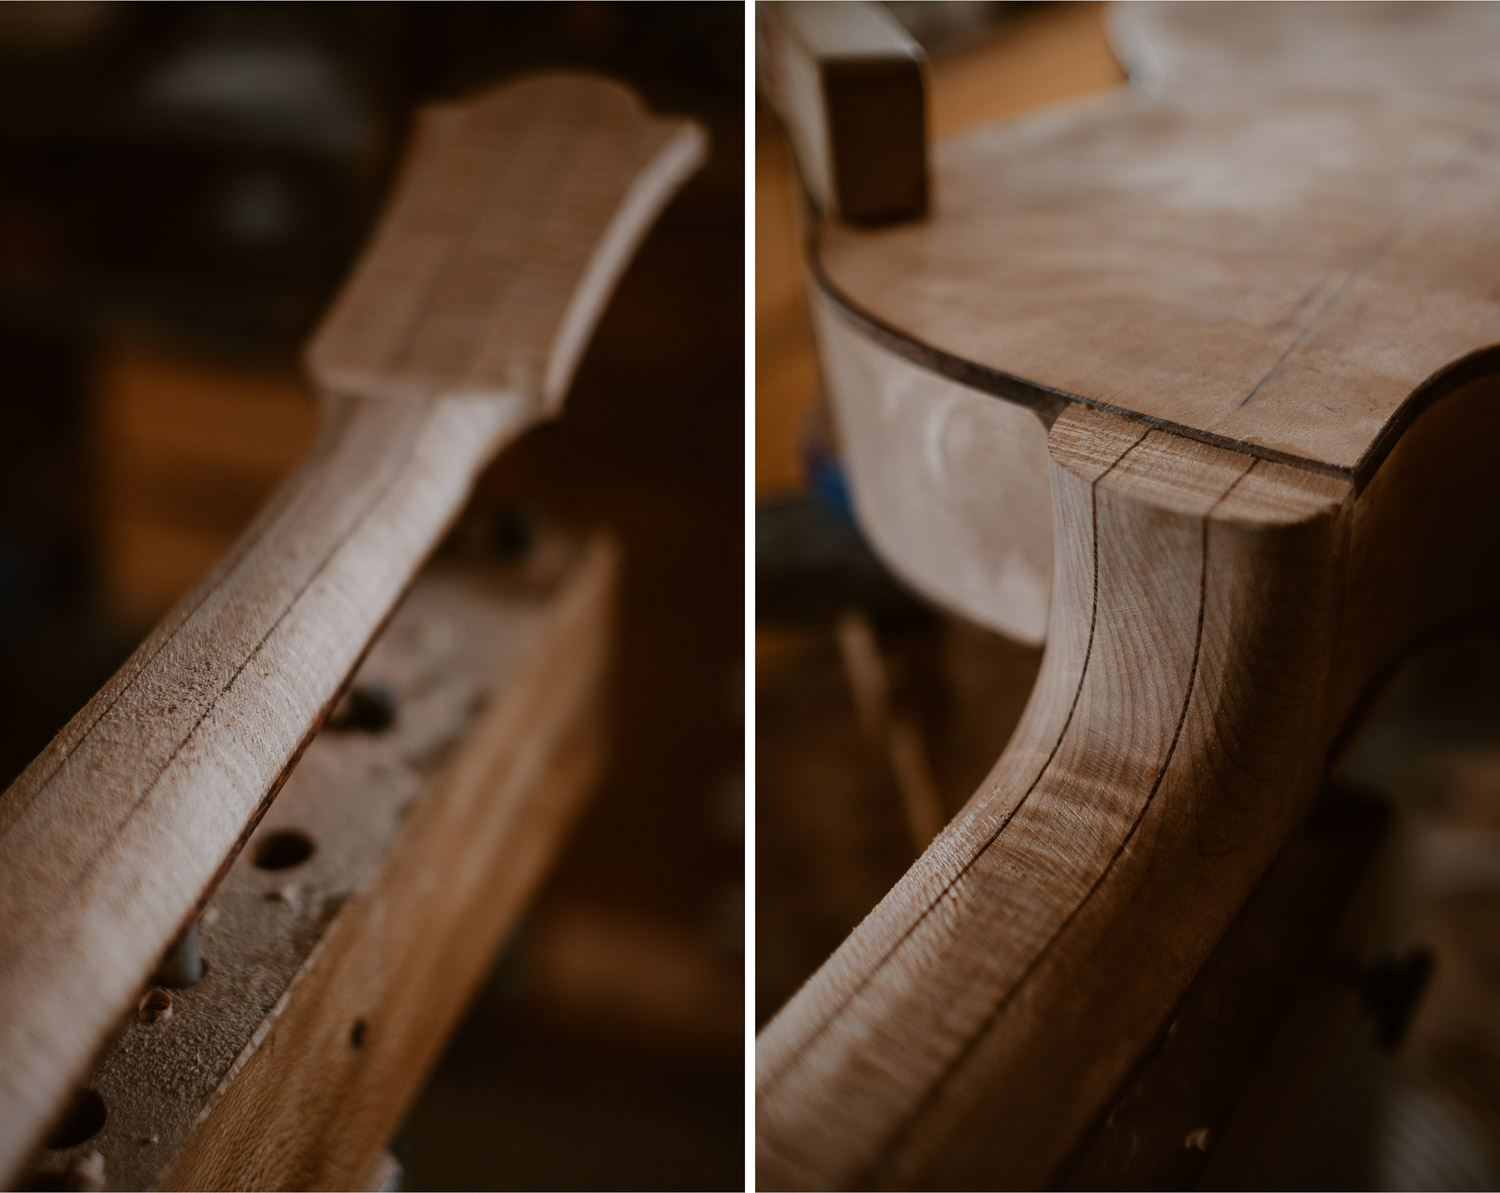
[1197,384]
[1280,241]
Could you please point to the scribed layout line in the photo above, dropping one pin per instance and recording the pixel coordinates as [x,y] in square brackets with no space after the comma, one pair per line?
[1372,255]
[394,469]
[866,1179]
[503,177]
[1046,400]
[838,1009]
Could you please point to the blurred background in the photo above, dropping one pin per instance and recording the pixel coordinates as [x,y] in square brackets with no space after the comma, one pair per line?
[182,188]
[842,648]
[877,716]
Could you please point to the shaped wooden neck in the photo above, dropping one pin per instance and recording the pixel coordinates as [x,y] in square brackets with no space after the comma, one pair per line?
[460,327]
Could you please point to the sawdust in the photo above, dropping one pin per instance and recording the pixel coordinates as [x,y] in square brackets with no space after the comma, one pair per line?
[456,639]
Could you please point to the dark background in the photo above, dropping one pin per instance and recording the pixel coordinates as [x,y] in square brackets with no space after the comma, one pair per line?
[182,187]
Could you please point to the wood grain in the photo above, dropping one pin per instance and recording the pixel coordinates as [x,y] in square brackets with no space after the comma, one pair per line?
[515,215]
[950,486]
[1273,250]
[847,80]
[962,993]
[509,225]
[1253,301]
[1163,254]
[1217,622]
[425,838]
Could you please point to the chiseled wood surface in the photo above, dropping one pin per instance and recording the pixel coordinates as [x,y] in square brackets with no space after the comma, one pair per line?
[1043,54]
[1279,236]
[1252,302]
[1216,621]
[512,219]
[427,838]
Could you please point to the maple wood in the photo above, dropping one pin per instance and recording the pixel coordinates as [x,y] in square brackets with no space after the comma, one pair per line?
[512,218]
[336,975]
[1190,252]
[848,81]
[1216,622]
[1234,392]
[324,1080]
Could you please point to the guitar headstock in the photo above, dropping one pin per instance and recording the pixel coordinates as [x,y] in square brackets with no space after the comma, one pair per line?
[513,217]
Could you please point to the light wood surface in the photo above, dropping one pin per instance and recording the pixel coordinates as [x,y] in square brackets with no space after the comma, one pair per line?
[1039,55]
[1275,250]
[426,840]
[511,221]
[1216,622]
[1263,368]
[1250,308]
[1190,252]
[514,217]
[951,486]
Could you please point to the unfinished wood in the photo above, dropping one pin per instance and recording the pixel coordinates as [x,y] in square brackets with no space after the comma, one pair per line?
[1038,56]
[1217,621]
[186,452]
[1045,54]
[892,728]
[427,838]
[461,325]
[384,1177]
[1279,248]
[847,80]
[950,485]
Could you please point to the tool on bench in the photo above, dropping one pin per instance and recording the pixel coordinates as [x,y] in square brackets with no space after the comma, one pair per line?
[1197,384]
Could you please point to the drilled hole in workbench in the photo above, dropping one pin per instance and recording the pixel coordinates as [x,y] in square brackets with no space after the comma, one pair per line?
[155,1006]
[357,1034]
[81,1121]
[283,850]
